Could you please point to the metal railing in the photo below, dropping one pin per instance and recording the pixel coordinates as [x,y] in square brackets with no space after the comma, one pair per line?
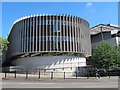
[54,75]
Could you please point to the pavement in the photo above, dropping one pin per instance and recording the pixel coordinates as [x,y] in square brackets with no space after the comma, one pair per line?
[103,82]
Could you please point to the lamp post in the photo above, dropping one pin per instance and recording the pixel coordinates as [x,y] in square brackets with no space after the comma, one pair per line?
[101,33]
[101,30]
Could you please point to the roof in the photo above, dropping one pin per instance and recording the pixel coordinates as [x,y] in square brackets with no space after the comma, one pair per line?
[104,28]
[36,15]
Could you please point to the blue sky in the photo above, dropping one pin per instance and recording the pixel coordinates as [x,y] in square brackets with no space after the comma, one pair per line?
[94,12]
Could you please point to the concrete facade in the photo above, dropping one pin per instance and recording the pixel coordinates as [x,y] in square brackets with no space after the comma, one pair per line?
[48,62]
[42,41]
[109,33]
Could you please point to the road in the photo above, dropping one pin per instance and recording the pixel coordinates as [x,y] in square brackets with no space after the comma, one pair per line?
[61,83]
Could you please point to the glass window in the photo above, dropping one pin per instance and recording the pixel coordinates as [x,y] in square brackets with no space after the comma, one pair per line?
[61,22]
[55,38]
[58,38]
[46,22]
[55,45]
[55,26]
[58,26]
[49,22]
[51,38]
[44,38]
[58,45]
[66,23]
[41,22]
[52,22]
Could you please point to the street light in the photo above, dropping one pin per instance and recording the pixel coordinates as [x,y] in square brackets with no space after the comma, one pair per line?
[101,30]
[101,33]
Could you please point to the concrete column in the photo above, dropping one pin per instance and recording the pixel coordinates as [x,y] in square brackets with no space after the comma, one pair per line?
[57,31]
[64,31]
[36,33]
[50,32]
[83,42]
[43,33]
[60,34]
[22,36]
[46,33]
[30,34]
[67,33]
[53,35]
[70,33]
[15,34]
[18,46]
[40,34]
[27,34]
[73,34]
[80,36]
[33,34]
[77,36]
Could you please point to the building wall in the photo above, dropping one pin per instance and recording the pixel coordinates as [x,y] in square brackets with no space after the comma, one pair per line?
[49,33]
[98,37]
[107,36]
[112,41]
[34,40]
[50,62]
[118,40]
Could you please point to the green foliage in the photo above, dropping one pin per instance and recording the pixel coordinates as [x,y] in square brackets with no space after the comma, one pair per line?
[118,55]
[3,44]
[105,56]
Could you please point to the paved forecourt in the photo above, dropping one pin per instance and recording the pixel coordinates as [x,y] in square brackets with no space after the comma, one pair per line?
[103,82]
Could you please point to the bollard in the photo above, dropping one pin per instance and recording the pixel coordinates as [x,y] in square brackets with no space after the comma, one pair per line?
[108,74]
[87,76]
[76,75]
[5,74]
[39,74]
[26,74]
[119,73]
[51,75]
[15,74]
[64,75]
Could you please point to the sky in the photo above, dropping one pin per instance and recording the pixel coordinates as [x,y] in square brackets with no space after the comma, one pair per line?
[94,12]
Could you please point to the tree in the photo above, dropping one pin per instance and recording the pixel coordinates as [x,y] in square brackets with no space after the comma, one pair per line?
[104,56]
[3,44]
[118,56]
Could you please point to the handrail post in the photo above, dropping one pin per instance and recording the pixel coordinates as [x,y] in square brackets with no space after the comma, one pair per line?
[15,74]
[5,74]
[26,74]
[64,75]
[51,75]
[76,74]
[39,74]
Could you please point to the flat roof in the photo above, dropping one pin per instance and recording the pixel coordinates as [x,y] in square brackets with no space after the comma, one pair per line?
[104,28]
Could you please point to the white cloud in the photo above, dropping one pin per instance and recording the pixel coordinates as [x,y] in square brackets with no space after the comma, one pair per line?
[89,4]
[90,7]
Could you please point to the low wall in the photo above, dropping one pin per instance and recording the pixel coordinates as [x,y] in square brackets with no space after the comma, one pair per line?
[52,63]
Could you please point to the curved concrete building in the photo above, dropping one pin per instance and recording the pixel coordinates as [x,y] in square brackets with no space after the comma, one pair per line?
[49,42]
